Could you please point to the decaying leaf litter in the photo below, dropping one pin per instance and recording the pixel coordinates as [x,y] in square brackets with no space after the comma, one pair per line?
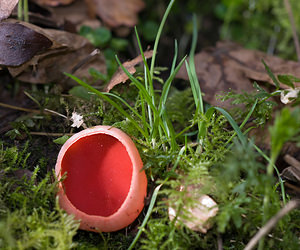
[219,69]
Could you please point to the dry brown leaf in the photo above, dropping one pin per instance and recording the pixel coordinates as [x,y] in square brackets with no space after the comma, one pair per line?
[63,17]
[67,51]
[230,66]
[116,13]
[120,76]
[6,8]
[18,44]
[76,13]
[53,2]
[291,173]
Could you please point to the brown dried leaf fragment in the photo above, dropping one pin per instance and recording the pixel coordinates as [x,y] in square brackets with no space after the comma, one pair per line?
[18,44]
[74,15]
[68,50]
[120,76]
[229,66]
[6,8]
[53,2]
[116,13]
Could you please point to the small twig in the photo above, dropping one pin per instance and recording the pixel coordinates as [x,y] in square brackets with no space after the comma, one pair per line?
[48,111]
[291,186]
[19,108]
[85,60]
[293,26]
[292,161]
[220,242]
[55,113]
[271,223]
[51,134]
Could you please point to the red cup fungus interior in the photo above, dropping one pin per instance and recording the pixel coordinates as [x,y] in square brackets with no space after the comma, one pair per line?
[104,184]
[98,174]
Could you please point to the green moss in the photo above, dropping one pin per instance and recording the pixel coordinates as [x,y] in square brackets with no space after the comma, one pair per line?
[30,216]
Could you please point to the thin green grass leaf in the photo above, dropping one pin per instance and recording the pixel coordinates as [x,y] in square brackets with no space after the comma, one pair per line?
[141,96]
[148,99]
[166,87]
[192,68]
[288,80]
[114,104]
[175,56]
[149,211]
[283,195]
[234,125]
[171,132]
[271,75]
[245,121]
[146,67]
[140,86]
[133,110]
[158,36]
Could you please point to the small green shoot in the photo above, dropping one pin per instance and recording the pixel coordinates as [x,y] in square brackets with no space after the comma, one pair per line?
[61,140]
[271,75]
[23,10]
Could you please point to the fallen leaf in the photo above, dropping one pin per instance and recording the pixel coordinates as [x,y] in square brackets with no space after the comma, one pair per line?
[120,76]
[76,14]
[53,2]
[18,44]
[116,13]
[6,8]
[291,173]
[67,52]
[229,66]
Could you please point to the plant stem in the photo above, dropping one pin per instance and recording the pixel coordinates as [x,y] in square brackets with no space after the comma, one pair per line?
[266,201]
[149,211]
[293,26]
[20,10]
[274,166]
[26,15]
[271,223]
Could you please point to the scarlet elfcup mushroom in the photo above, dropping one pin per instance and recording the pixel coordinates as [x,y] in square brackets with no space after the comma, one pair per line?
[105,185]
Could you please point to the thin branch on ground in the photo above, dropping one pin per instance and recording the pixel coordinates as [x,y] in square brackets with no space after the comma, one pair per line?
[19,108]
[35,111]
[293,204]
[293,26]
[50,134]
[220,242]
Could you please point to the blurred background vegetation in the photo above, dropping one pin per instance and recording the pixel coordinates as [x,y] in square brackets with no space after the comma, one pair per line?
[255,24]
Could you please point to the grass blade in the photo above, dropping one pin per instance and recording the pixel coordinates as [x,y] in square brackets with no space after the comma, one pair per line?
[271,75]
[234,125]
[114,104]
[148,99]
[131,108]
[166,87]
[158,36]
[175,56]
[192,69]
[245,121]
[276,169]
[149,211]
[148,86]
